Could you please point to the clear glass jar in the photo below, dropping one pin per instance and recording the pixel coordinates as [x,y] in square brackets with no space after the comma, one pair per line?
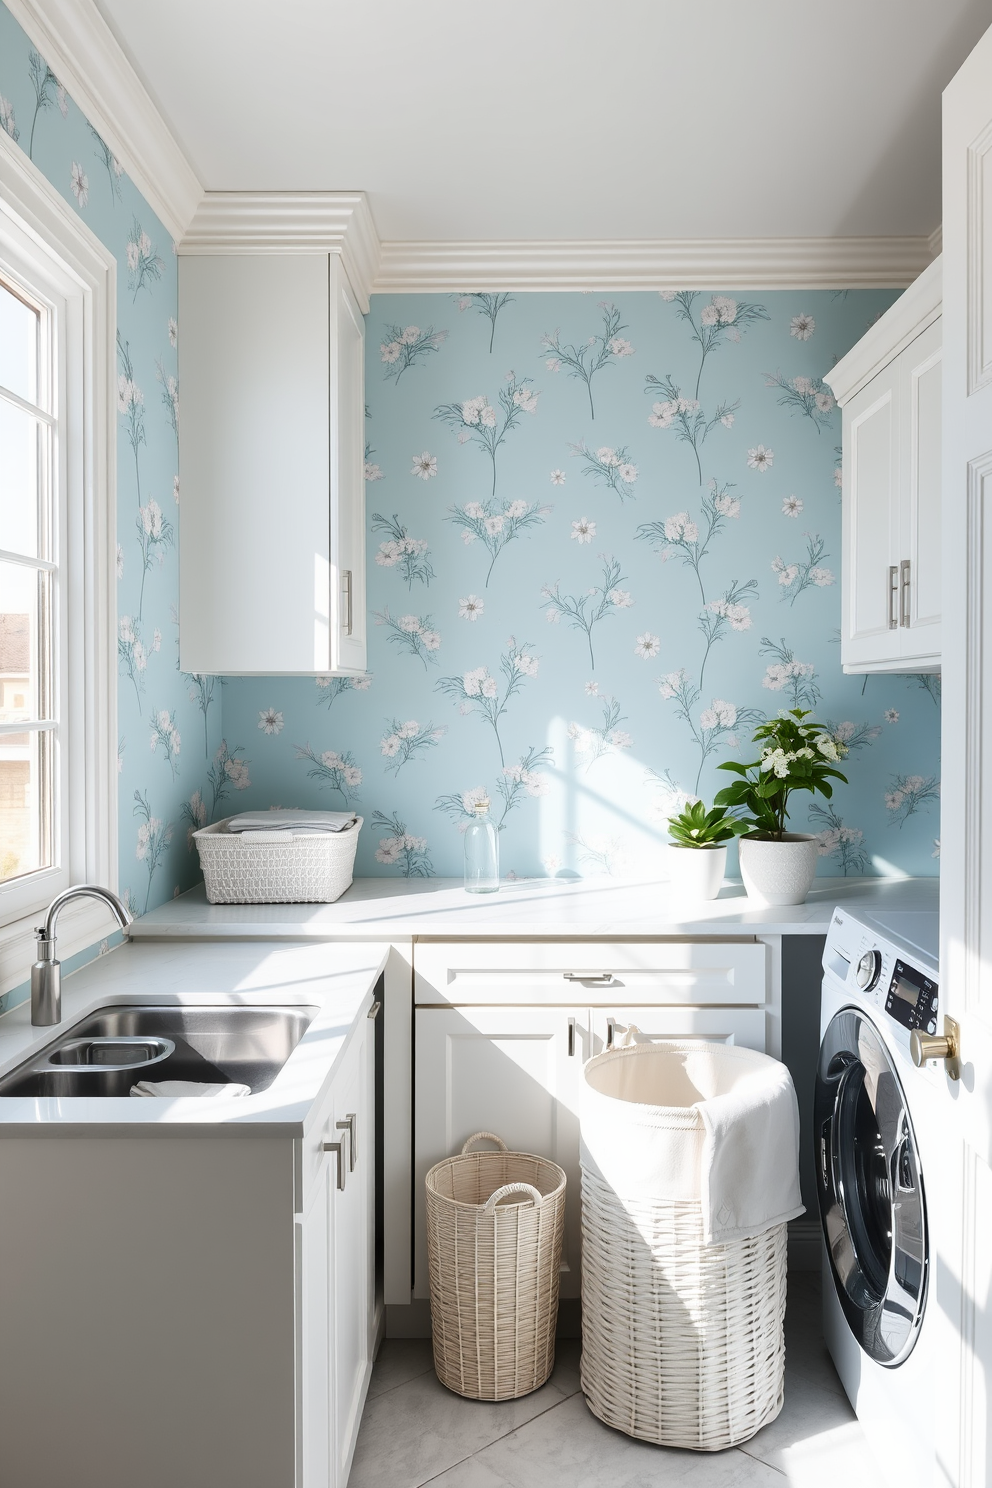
[481,853]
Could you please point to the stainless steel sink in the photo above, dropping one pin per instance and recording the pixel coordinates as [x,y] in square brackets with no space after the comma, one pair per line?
[111,1049]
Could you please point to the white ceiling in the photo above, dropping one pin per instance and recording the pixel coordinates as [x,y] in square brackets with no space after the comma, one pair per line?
[567,119]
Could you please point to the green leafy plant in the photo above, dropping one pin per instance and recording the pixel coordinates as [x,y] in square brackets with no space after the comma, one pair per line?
[795,756]
[696,827]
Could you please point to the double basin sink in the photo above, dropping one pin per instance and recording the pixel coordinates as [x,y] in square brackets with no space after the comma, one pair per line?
[113,1048]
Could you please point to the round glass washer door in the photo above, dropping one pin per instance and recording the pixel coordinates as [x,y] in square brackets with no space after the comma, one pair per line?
[870,1189]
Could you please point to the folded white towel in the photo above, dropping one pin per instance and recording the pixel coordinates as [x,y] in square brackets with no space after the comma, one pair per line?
[187,1087]
[292,819]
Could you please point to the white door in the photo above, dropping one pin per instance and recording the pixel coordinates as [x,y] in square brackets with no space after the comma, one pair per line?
[350,1280]
[962,1221]
[514,1071]
[315,1334]
[871,517]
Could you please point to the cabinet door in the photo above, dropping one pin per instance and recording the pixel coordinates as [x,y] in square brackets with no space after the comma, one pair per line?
[741,1026]
[514,1071]
[920,606]
[347,434]
[315,1330]
[870,624]
[254,541]
[351,1279]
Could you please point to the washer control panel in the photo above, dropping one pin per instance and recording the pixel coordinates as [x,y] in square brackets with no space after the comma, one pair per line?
[912,998]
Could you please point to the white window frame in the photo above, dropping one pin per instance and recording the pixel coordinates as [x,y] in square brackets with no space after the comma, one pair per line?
[45,245]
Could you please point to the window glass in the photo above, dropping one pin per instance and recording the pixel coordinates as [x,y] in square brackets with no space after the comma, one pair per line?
[19,335]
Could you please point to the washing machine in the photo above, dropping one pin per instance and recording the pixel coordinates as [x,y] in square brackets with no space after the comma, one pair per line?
[874,1138]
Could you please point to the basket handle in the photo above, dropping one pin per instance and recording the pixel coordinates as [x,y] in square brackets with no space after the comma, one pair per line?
[531,1192]
[484,1137]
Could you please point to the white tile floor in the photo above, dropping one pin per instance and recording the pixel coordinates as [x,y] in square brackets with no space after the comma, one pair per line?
[415,1432]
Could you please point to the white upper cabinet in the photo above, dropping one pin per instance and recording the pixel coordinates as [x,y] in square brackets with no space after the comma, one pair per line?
[888,387]
[272,345]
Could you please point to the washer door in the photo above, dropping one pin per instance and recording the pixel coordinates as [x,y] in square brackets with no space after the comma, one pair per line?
[870,1189]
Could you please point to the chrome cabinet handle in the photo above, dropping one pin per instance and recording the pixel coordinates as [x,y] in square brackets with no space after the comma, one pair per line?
[893,592]
[904,580]
[611,1029]
[350,1125]
[571,1038]
[601,978]
[338,1149]
[346,620]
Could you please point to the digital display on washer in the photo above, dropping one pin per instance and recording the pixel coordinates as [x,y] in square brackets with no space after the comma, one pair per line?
[912,997]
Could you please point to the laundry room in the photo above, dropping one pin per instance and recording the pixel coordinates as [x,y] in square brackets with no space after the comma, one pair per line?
[551,442]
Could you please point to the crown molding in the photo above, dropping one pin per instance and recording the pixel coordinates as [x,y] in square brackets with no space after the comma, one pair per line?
[87,59]
[675,263]
[290,222]
[912,312]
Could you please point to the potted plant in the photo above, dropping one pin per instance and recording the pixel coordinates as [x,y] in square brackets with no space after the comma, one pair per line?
[778,867]
[699,839]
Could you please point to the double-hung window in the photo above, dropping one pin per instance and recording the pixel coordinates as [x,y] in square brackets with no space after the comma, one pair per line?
[58,807]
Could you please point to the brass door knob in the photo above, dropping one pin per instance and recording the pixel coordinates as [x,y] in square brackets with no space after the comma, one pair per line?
[924,1047]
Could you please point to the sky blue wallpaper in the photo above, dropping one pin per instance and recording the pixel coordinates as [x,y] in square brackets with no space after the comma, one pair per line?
[169,725]
[604,540]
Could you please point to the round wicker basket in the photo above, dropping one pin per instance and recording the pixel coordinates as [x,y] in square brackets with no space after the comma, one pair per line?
[494,1269]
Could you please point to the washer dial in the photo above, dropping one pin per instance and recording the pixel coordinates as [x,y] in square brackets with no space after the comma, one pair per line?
[868,970]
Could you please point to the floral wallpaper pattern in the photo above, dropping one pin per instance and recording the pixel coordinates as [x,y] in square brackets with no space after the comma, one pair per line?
[169,724]
[604,539]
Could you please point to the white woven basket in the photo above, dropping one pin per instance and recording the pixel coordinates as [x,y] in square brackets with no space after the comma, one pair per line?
[311,868]
[682,1342]
[494,1269]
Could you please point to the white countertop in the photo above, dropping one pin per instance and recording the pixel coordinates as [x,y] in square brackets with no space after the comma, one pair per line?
[392,909]
[337,981]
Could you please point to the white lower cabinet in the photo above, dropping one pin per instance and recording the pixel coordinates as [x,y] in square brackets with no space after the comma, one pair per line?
[336,1275]
[502,1031]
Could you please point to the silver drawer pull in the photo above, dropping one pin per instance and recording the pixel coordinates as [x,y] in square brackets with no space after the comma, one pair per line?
[337,1148]
[904,583]
[611,1032]
[571,1038]
[346,602]
[601,978]
[350,1125]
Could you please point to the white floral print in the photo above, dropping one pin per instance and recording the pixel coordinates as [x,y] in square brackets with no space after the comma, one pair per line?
[471,607]
[648,646]
[792,506]
[80,183]
[424,466]
[802,327]
[760,458]
[557,477]
[583,531]
[270,721]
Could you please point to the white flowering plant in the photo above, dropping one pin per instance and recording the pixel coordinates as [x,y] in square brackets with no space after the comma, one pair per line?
[796,755]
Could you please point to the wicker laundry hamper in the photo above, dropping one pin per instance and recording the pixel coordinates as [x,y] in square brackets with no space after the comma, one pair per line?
[494,1269]
[682,1340]
[276,867]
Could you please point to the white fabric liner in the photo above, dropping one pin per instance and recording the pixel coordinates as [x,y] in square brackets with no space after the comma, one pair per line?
[188,1087]
[698,1123]
[292,819]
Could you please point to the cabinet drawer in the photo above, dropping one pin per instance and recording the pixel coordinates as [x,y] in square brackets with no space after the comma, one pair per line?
[594,973]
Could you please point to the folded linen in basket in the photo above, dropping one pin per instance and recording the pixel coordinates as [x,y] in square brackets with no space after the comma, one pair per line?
[187,1087]
[687,1122]
[291,819]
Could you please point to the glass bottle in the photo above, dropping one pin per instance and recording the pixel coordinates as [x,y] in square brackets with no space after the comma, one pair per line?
[481,853]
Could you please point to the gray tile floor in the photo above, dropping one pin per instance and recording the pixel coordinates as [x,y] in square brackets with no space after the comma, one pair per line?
[415,1432]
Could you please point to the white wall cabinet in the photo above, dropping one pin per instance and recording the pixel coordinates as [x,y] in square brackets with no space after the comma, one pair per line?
[889,388]
[272,538]
[502,1031]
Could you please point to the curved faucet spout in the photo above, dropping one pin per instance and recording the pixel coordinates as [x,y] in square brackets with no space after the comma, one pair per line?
[46,973]
[81,891]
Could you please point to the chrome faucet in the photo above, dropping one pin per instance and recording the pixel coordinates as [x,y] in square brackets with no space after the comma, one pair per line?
[46,973]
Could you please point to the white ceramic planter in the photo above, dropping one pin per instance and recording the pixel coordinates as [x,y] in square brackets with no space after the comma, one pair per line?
[778,872]
[697,872]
